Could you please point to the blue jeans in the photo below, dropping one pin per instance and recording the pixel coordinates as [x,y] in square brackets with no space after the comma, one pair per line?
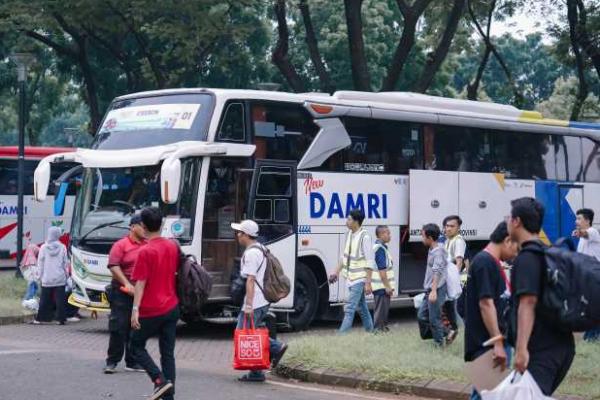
[356,303]
[475,394]
[32,289]
[259,322]
[592,335]
[430,317]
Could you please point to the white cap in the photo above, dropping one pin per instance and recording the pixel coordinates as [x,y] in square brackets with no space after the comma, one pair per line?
[247,226]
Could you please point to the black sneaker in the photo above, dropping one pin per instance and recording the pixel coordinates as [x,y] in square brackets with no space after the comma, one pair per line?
[134,368]
[110,368]
[161,389]
[277,357]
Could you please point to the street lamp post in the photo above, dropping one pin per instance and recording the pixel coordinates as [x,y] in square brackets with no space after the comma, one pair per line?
[22,60]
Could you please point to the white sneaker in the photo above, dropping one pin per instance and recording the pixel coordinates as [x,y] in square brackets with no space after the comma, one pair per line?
[73,319]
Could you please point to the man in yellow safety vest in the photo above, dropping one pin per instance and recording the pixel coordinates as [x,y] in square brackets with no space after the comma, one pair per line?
[356,266]
[383,282]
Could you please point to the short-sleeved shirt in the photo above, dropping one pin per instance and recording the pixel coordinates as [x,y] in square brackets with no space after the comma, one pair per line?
[456,247]
[254,263]
[124,254]
[485,282]
[591,244]
[381,263]
[157,264]
[527,279]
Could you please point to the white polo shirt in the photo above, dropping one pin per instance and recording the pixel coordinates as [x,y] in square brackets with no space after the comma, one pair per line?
[591,244]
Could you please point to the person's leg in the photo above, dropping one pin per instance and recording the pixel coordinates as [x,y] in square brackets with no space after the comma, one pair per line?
[30,292]
[592,335]
[378,320]
[118,326]
[148,327]
[354,296]
[166,345]
[452,314]
[387,300]
[43,314]
[435,316]
[549,367]
[475,395]
[365,315]
[568,354]
[59,296]
[423,319]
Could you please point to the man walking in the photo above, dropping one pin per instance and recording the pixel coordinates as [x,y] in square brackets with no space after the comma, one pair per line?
[155,304]
[357,267]
[488,291]
[121,261]
[430,312]
[252,267]
[589,243]
[542,349]
[383,280]
[456,247]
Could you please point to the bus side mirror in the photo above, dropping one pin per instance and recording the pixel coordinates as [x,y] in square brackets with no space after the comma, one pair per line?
[170,179]
[41,180]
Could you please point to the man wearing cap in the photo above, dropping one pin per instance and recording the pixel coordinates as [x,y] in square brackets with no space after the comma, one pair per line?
[121,261]
[252,267]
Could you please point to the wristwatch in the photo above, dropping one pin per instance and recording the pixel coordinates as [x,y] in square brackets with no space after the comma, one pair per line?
[135,308]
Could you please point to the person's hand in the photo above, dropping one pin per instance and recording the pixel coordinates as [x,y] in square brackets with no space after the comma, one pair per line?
[333,277]
[499,355]
[248,309]
[433,296]
[389,291]
[575,233]
[129,289]
[368,288]
[135,319]
[522,360]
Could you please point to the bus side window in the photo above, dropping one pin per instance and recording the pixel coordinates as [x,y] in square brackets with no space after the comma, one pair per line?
[591,160]
[233,126]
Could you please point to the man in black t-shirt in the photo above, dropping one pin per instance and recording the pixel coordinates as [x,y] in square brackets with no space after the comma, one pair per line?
[487,291]
[541,348]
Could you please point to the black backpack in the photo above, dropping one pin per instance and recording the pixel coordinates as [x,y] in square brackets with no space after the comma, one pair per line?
[571,291]
[194,284]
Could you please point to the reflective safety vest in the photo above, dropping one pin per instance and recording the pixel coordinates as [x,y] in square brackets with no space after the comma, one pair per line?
[355,263]
[376,282]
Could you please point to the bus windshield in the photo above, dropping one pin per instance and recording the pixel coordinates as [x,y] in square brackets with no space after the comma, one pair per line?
[153,121]
[110,196]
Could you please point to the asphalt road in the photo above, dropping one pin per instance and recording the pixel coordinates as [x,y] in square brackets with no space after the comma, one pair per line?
[65,362]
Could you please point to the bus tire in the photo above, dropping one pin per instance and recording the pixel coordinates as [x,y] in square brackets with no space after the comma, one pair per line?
[306,298]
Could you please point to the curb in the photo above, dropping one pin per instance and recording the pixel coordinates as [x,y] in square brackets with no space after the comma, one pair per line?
[16,319]
[432,388]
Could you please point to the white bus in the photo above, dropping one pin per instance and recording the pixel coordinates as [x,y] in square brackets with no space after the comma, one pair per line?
[38,217]
[297,163]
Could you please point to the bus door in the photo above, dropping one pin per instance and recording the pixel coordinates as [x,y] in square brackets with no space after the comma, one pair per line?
[571,200]
[433,196]
[273,206]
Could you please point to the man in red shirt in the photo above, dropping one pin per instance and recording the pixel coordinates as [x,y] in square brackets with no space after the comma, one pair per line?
[121,260]
[155,304]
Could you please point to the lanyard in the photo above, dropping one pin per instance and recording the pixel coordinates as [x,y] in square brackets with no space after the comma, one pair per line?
[502,272]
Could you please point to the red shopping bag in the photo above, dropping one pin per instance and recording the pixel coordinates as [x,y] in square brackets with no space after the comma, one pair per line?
[251,347]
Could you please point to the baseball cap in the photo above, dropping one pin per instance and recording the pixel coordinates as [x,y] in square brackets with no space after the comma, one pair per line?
[136,219]
[247,226]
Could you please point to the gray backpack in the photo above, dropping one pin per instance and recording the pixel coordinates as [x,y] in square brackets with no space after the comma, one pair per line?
[276,285]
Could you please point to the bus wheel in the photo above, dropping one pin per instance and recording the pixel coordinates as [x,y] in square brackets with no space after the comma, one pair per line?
[306,298]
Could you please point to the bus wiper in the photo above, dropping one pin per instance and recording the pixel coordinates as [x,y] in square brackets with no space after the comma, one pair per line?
[104,225]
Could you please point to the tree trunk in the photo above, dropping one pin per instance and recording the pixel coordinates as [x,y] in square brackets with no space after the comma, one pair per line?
[280,53]
[358,59]
[589,46]
[313,49]
[473,87]
[435,60]
[411,16]
[582,91]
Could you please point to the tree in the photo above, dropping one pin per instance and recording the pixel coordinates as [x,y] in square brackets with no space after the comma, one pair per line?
[559,104]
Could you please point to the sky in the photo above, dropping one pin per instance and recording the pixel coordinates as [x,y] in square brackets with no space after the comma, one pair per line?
[523,24]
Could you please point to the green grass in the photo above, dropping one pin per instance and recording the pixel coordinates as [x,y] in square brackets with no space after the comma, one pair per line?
[402,355]
[11,294]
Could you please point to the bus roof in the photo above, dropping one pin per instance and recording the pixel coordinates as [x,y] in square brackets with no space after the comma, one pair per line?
[33,152]
[406,101]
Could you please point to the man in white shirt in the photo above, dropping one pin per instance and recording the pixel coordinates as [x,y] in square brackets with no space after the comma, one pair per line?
[357,266]
[253,265]
[589,243]
[589,238]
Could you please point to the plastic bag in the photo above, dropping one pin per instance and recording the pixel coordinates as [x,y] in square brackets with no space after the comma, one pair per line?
[516,386]
[453,282]
[251,347]
[418,300]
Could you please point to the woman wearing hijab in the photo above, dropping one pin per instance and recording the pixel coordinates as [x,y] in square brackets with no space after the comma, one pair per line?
[52,262]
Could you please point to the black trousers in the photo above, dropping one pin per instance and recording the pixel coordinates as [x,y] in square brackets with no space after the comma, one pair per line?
[164,327]
[51,298]
[451,314]
[549,367]
[382,311]
[119,326]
